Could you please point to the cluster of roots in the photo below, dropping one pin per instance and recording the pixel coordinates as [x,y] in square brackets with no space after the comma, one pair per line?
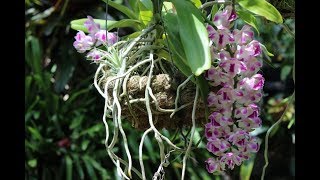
[164,88]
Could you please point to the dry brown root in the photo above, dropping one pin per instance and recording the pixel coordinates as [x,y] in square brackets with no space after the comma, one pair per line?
[164,89]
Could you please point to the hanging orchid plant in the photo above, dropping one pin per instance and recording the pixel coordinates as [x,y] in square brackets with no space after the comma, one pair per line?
[186,65]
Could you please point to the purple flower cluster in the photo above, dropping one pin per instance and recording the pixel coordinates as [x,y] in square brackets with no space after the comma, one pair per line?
[234,72]
[95,38]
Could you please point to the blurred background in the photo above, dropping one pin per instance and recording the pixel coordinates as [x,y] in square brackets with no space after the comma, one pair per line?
[64,133]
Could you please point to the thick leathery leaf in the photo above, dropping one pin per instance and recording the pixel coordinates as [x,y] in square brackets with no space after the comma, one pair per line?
[78,24]
[262,8]
[194,36]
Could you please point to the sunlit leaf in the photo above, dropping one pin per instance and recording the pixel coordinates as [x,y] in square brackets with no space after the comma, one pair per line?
[145,11]
[262,8]
[78,24]
[194,36]
[197,3]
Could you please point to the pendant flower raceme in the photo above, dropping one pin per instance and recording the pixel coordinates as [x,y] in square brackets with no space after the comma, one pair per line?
[236,62]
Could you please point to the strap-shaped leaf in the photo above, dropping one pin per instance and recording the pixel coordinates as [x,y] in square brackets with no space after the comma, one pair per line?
[262,8]
[172,29]
[134,6]
[125,23]
[194,36]
[69,167]
[174,43]
[79,24]
[197,3]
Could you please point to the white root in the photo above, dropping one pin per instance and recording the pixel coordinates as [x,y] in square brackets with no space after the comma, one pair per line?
[140,153]
[157,104]
[178,94]
[125,141]
[192,133]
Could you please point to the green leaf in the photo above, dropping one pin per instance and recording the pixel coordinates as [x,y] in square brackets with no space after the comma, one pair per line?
[32,163]
[175,45]
[33,54]
[125,23]
[89,168]
[97,166]
[172,28]
[197,3]
[134,6]
[147,4]
[128,12]
[145,11]
[78,166]
[78,24]
[194,36]
[262,8]
[248,18]
[152,154]
[246,168]
[69,167]
[35,133]
[179,62]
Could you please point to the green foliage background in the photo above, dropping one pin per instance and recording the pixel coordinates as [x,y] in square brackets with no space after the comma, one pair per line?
[64,132]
